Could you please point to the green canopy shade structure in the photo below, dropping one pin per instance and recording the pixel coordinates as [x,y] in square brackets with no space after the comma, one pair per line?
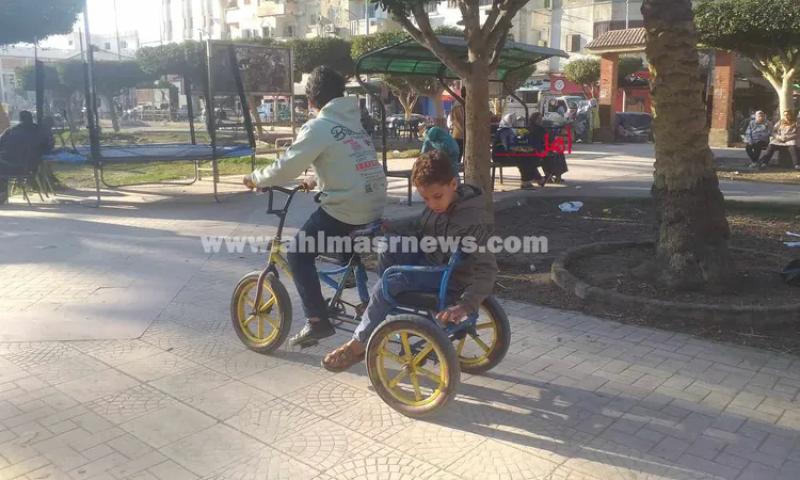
[409,57]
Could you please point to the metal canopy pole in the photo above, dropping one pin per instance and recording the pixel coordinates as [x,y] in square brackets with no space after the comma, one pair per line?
[91,102]
[210,121]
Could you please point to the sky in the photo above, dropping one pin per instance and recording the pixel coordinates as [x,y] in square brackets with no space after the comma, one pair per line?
[141,15]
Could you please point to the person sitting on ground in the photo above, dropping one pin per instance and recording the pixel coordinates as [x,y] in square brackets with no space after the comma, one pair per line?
[452,211]
[756,136]
[21,150]
[784,137]
[437,138]
[505,139]
[351,181]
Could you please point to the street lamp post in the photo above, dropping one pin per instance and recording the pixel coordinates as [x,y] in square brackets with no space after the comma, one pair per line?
[627,9]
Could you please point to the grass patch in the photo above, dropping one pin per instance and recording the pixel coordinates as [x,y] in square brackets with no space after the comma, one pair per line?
[82,176]
[411,153]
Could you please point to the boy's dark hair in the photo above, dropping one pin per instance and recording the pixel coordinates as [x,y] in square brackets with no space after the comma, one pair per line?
[432,168]
[26,117]
[324,84]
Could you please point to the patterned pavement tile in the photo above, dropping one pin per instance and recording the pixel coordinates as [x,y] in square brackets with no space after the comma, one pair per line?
[128,404]
[228,400]
[371,417]
[97,386]
[69,369]
[390,467]
[116,352]
[167,425]
[191,383]
[430,442]
[604,460]
[243,364]
[325,444]
[213,449]
[32,355]
[495,460]
[284,379]
[272,420]
[156,366]
[268,464]
[327,397]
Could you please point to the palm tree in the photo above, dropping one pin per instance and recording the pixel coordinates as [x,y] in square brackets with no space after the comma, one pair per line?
[692,244]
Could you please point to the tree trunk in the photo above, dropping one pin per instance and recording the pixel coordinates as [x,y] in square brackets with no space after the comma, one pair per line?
[785,95]
[438,104]
[692,243]
[477,155]
[5,122]
[255,116]
[112,109]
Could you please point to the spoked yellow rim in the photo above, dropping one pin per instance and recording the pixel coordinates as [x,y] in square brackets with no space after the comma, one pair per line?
[474,351]
[407,377]
[264,326]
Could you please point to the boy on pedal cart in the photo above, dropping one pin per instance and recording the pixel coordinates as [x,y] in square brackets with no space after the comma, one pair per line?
[453,212]
[352,186]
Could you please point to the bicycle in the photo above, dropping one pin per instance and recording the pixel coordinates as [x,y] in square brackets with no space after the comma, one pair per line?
[413,361]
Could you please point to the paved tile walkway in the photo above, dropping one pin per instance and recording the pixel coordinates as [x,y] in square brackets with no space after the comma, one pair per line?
[118,361]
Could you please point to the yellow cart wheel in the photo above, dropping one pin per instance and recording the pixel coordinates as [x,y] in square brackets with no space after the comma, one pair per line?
[412,365]
[483,349]
[266,328]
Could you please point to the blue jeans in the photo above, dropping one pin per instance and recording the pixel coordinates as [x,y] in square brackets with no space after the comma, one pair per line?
[398,282]
[303,265]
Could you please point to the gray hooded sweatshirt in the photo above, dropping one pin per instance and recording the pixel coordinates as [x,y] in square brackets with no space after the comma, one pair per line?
[351,179]
[475,275]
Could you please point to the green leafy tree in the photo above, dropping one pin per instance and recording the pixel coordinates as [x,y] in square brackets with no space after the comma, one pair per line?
[64,83]
[486,30]
[185,59]
[329,51]
[111,78]
[692,243]
[585,72]
[32,20]
[768,33]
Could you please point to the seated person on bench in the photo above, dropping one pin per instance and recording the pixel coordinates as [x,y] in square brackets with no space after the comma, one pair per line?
[452,211]
[504,153]
[21,150]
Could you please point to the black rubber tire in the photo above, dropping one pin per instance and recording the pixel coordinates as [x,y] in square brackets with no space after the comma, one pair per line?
[500,348]
[284,305]
[446,354]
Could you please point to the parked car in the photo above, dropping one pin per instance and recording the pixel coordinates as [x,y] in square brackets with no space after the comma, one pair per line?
[633,127]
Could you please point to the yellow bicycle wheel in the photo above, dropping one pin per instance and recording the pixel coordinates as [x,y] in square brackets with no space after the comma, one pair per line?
[483,349]
[412,365]
[266,328]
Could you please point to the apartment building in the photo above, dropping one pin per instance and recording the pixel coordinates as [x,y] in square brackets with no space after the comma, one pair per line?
[570,24]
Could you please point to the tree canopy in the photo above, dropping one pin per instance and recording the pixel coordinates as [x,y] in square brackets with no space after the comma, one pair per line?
[185,58]
[583,71]
[768,33]
[31,20]
[313,52]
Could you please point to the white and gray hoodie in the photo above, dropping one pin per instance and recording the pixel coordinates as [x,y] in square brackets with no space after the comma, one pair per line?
[351,179]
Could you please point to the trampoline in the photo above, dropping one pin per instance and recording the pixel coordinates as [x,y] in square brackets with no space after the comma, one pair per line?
[233,70]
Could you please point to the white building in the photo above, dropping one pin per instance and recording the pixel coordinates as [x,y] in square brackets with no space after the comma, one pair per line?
[570,24]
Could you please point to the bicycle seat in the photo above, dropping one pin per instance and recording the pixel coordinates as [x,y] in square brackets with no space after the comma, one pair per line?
[424,300]
[368,230]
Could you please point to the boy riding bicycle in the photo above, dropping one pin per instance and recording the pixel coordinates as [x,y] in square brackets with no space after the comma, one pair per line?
[452,211]
[351,181]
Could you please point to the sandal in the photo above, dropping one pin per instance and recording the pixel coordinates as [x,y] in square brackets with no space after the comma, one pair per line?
[341,359]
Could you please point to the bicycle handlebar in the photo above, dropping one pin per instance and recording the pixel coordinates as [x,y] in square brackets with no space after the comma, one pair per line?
[271,191]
